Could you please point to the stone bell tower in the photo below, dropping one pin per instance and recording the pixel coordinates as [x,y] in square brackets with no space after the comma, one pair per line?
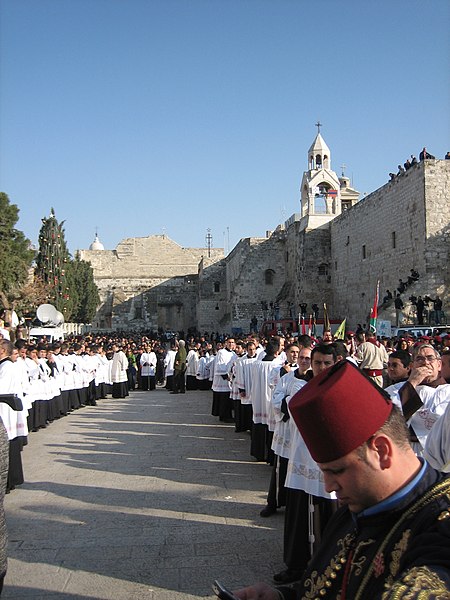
[323,197]
[320,187]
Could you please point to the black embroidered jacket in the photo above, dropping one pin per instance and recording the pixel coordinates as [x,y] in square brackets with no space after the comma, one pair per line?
[397,554]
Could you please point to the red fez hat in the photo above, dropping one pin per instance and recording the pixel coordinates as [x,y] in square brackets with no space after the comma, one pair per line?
[339,410]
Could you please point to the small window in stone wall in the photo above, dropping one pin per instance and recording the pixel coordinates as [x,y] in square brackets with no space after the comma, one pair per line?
[323,269]
[394,241]
[364,251]
[216,287]
[287,256]
[269,275]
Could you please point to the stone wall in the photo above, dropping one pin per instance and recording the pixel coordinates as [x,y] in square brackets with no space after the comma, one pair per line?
[148,283]
[402,225]
[255,277]
[155,283]
[313,280]
[211,305]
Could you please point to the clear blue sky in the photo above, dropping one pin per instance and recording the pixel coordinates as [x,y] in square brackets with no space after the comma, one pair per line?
[147,116]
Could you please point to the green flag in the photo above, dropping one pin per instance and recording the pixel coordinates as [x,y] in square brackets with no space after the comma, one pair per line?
[340,331]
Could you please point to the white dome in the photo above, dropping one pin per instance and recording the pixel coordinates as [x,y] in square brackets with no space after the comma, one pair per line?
[96,244]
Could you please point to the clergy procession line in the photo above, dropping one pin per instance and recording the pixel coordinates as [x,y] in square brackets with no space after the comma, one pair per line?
[253,382]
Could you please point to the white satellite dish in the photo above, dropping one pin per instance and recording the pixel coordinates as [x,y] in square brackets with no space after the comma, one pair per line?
[59,318]
[47,314]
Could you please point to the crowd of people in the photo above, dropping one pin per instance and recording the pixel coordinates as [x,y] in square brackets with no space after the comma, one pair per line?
[410,162]
[421,311]
[256,386]
[253,382]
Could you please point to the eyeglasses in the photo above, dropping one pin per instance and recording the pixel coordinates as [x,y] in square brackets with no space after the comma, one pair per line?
[421,360]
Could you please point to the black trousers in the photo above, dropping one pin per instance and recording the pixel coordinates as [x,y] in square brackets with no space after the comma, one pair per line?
[179,382]
[297,548]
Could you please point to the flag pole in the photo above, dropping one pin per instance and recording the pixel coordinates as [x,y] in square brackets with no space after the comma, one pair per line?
[374,311]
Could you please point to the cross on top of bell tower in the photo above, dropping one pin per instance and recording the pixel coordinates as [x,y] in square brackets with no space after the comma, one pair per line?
[318,125]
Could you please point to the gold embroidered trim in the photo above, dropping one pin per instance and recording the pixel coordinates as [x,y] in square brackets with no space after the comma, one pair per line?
[398,551]
[319,584]
[438,490]
[419,582]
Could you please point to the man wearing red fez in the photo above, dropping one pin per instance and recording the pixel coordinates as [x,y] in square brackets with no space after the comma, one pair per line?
[391,536]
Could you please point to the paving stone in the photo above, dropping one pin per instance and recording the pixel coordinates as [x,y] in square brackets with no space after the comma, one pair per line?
[142,498]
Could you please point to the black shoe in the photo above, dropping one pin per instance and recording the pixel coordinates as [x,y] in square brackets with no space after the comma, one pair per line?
[288,576]
[268,511]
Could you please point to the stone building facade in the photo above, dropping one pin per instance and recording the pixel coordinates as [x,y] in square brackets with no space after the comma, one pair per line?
[403,225]
[147,283]
[333,251]
[271,277]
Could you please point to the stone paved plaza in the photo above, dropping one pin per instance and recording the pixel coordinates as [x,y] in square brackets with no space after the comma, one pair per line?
[148,497]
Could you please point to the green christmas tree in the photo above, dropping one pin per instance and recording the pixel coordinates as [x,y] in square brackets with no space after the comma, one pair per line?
[85,292]
[51,264]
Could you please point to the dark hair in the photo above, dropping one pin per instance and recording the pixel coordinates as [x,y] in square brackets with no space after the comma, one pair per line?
[19,344]
[304,340]
[275,340]
[272,346]
[328,349]
[341,348]
[403,356]
[293,345]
